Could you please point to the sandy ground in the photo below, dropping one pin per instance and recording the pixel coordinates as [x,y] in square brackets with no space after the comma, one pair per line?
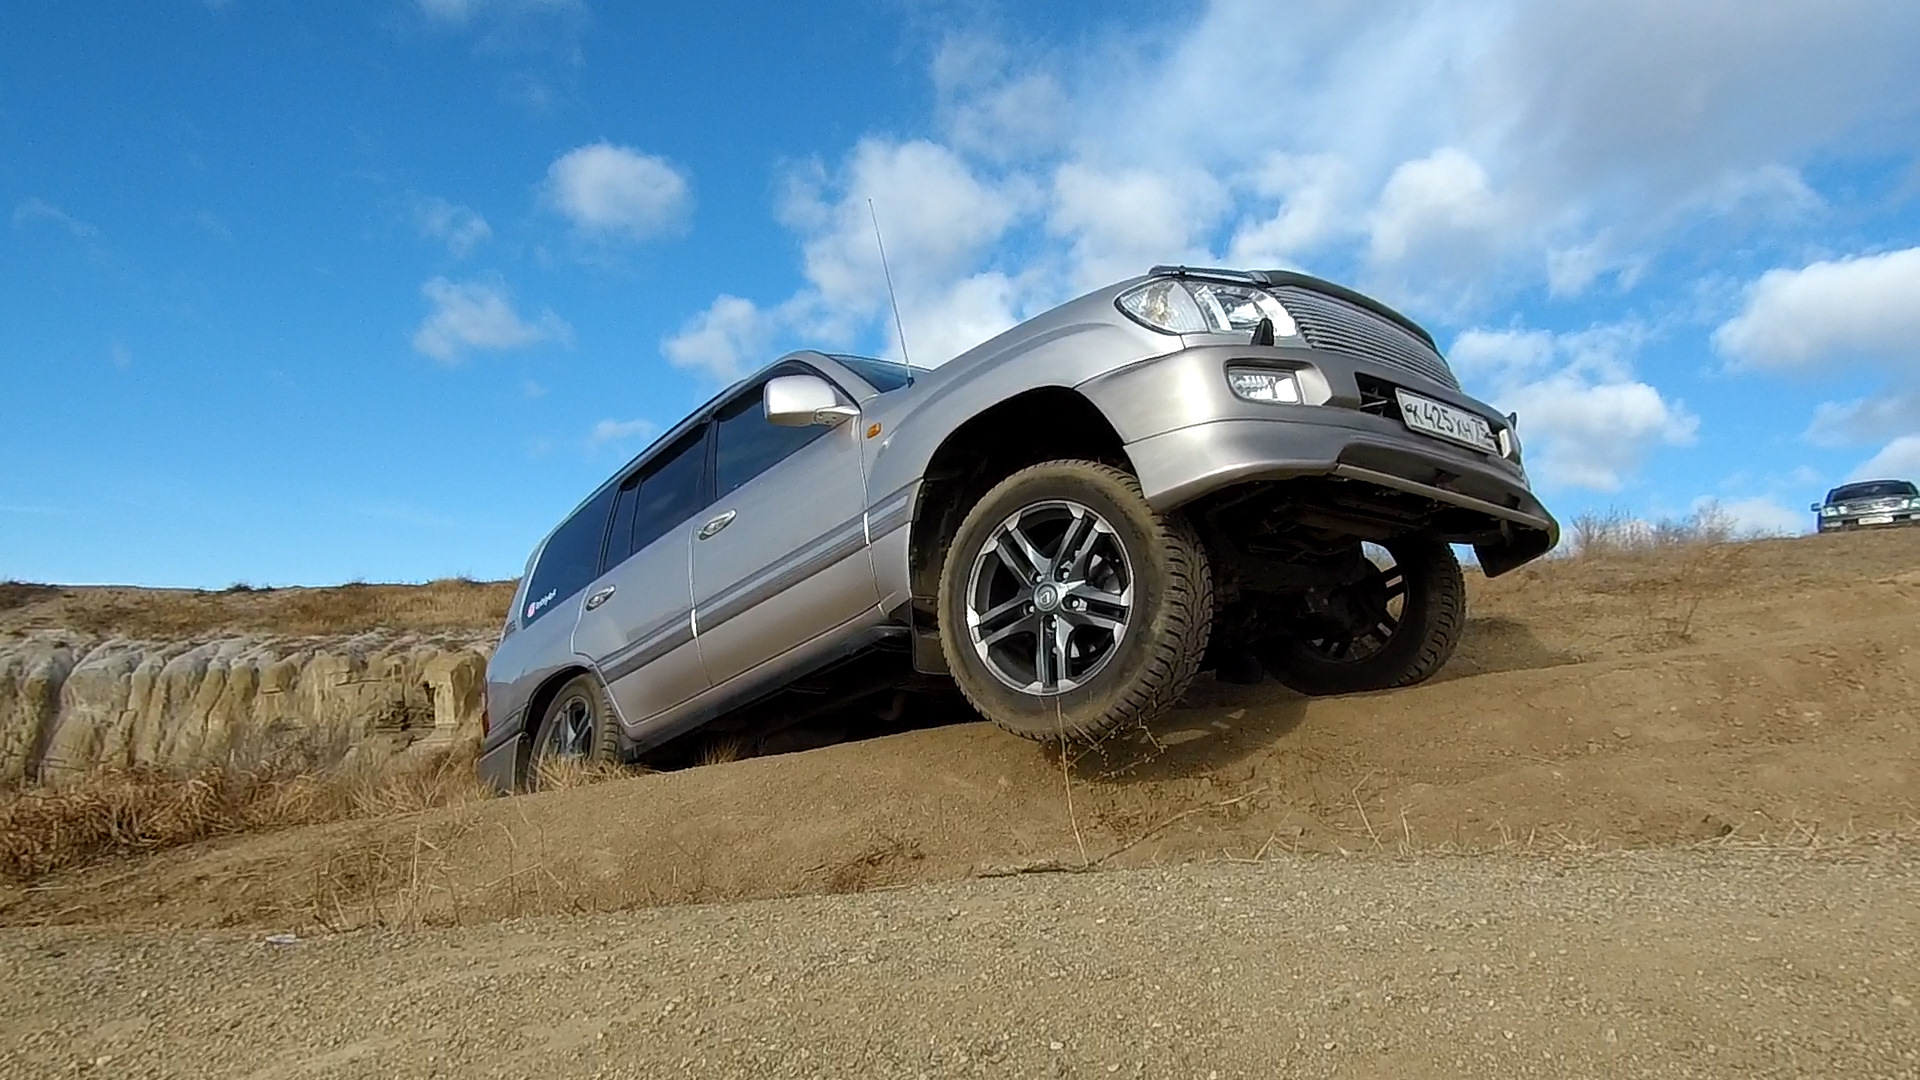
[1656,818]
[1676,963]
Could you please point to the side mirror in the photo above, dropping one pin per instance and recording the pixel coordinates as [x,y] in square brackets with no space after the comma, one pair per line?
[804,400]
[1815,508]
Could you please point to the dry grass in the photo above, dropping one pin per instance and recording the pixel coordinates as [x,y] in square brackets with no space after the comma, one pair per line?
[1611,533]
[112,812]
[448,605]
[560,774]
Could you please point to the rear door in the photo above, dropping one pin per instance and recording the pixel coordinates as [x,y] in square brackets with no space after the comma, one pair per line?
[636,621]
[781,555]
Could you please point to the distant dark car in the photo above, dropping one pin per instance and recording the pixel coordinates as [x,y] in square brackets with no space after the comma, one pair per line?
[1869,504]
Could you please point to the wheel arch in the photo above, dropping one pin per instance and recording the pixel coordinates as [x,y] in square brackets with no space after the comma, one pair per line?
[1049,422]
[537,705]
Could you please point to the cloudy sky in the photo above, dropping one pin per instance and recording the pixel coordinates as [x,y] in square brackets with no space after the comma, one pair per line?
[378,289]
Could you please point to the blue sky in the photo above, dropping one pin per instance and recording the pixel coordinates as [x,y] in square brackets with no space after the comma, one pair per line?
[378,289]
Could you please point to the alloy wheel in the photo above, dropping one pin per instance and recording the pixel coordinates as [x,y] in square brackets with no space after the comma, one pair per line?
[1050,597]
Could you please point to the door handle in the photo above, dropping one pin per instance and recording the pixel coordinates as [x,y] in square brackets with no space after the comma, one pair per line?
[712,527]
[600,597]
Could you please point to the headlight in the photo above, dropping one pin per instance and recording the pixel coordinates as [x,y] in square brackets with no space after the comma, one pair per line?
[1179,306]
[1829,511]
[1913,504]
[1260,384]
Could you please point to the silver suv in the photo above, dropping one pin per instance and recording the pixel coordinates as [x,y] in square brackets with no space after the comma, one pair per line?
[1245,472]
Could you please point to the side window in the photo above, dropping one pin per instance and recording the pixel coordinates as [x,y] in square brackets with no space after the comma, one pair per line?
[571,558]
[620,536]
[672,487]
[746,445]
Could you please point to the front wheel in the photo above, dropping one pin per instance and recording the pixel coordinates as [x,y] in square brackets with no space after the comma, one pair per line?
[1394,623]
[1069,608]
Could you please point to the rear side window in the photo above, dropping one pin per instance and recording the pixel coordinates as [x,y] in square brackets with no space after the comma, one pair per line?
[671,488]
[746,445]
[571,558]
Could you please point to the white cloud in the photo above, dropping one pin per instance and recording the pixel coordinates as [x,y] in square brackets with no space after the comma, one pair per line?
[1866,420]
[1898,460]
[1585,420]
[1449,155]
[38,209]
[1121,221]
[621,431]
[616,191]
[479,315]
[984,109]
[1863,307]
[725,341]
[1436,212]
[1303,202]
[459,12]
[459,227]
[1757,516]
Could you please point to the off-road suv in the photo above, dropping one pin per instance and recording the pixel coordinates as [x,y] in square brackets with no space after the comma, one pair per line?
[1868,504]
[1190,470]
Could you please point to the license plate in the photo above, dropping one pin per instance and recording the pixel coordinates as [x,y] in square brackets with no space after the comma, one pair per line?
[1447,422]
[1877,519]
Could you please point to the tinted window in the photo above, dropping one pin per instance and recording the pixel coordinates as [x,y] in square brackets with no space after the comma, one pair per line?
[570,560]
[620,536]
[672,487]
[746,445]
[882,375]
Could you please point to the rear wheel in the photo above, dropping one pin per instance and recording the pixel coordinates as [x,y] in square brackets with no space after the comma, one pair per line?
[578,728]
[1068,608]
[1395,622]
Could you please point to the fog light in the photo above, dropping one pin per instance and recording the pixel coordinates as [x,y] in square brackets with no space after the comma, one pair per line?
[1254,384]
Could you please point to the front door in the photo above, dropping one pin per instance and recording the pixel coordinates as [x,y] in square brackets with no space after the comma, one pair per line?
[636,622]
[780,556]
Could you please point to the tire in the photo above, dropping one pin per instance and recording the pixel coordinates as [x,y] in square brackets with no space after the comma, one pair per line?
[1128,565]
[578,725]
[1432,614]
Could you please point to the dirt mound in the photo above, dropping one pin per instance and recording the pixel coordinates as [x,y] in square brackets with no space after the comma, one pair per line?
[453,605]
[1721,693]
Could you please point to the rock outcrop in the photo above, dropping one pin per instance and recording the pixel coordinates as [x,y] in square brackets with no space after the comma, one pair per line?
[69,703]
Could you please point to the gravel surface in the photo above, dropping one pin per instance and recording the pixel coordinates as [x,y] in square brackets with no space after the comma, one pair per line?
[1706,962]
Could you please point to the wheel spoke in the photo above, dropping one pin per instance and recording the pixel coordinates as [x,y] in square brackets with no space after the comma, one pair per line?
[1121,601]
[1096,620]
[1077,543]
[1061,636]
[1036,562]
[1025,624]
[983,622]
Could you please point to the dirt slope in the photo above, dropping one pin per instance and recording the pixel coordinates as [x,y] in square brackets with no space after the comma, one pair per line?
[1754,692]
[1668,963]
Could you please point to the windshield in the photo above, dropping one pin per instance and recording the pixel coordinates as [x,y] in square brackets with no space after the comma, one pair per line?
[885,375]
[1876,489]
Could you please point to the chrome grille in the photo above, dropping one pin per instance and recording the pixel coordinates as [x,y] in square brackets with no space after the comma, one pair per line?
[1328,322]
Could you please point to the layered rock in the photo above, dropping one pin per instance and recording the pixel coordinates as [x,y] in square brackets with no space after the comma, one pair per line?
[70,703]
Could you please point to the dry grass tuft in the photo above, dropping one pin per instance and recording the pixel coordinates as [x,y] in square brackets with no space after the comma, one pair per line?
[1612,533]
[723,749]
[561,774]
[123,811]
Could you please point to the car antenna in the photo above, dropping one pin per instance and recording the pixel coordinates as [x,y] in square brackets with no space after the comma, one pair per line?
[898,330]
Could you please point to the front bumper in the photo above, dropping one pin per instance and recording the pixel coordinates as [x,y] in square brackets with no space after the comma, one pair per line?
[1189,436]
[1848,522]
